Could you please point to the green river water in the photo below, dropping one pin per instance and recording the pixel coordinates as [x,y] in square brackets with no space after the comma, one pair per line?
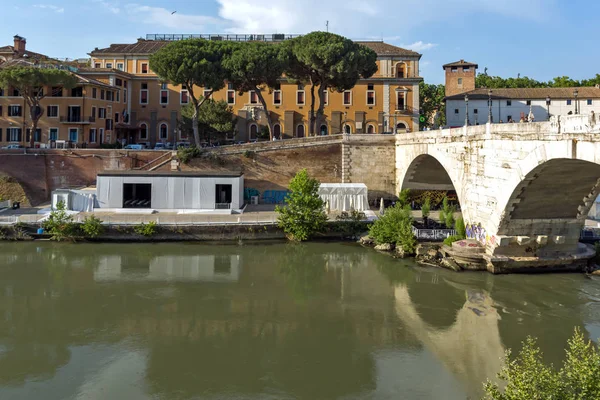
[268,321]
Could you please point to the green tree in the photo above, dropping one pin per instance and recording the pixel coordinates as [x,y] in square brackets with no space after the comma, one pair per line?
[60,224]
[432,103]
[193,63]
[214,118]
[447,213]
[327,61]
[425,209]
[563,81]
[395,227]
[92,227]
[527,377]
[33,84]
[303,215]
[258,67]
[404,197]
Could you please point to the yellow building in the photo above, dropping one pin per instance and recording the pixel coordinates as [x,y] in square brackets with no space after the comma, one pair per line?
[388,99]
[120,98]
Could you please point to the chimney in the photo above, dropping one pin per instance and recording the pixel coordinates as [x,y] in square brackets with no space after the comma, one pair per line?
[19,46]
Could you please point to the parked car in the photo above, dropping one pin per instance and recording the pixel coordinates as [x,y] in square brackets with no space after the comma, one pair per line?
[13,146]
[134,147]
[183,145]
[160,146]
[169,146]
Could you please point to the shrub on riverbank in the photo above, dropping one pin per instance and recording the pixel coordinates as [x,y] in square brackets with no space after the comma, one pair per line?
[395,227]
[527,377]
[92,227]
[350,224]
[59,223]
[303,214]
[147,230]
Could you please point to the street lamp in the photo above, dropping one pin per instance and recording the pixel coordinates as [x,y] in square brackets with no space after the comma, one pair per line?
[490,106]
[466,110]
[576,93]
[548,106]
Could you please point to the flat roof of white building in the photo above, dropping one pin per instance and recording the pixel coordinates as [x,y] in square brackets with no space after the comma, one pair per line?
[182,174]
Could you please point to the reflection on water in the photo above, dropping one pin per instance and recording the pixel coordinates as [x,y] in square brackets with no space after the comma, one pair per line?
[317,321]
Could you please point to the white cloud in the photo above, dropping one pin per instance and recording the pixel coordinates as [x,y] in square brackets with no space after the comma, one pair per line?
[419,46]
[165,18]
[111,7]
[54,8]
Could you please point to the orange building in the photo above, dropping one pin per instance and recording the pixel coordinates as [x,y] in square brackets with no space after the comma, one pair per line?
[143,109]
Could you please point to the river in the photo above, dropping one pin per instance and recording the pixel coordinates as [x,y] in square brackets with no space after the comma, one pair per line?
[268,321]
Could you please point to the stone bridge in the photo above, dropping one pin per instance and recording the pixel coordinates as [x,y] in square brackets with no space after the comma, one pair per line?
[524,189]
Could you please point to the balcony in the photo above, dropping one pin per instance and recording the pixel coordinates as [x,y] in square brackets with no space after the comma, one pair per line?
[75,119]
[405,110]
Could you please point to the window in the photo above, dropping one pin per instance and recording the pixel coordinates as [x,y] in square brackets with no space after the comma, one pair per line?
[143,131]
[16,93]
[116,118]
[400,71]
[144,93]
[15,111]
[231,97]
[456,111]
[94,93]
[454,69]
[77,92]
[94,112]
[509,118]
[400,100]
[508,103]
[73,134]
[163,131]
[118,82]
[277,131]
[300,131]
[466,69]
[118,95]
[323,130]
[163,86]
[164,97]
[13,134]
[57,91]
[1,92]
[37,137]
[137,195]
[108,65]
[97,65]
[253,131]
[101,131]
[93,137]
[53,134]
[102,94]
[325,97]
[253,97]
[206,93]
[347,97]
[528,102]
[589,102]
[460,81]
[475,111]
[144,68]
[277,97]
[102,113]
[569,102]
[120,66]
[370,129]
[0,114]
[52,111]
[108,124]
[370,95]
[124,95]
[183,95]
[300,96]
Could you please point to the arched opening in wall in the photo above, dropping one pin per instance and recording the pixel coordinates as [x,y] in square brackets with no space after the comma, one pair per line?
[324,130]
[559,191]
[163,132]
[400,70]
[401,127]
[143,132]
[347,129]
[300,130]
[253,132]
[370,128]
[277,131]
[426,177]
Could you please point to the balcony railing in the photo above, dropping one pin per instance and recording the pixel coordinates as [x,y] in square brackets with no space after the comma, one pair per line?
[405,110]
[68,119]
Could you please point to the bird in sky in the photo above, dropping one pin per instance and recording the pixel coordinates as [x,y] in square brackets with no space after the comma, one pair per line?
[173,12]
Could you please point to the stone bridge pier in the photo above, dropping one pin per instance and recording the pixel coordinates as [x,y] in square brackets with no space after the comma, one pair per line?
[525,190]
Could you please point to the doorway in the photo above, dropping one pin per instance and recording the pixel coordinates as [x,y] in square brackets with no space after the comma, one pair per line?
[137,195]
[223,197]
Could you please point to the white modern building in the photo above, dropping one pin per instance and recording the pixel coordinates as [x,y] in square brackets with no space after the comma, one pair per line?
[514,104]
[170,190]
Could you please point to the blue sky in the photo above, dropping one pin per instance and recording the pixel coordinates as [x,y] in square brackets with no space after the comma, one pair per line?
[536,38]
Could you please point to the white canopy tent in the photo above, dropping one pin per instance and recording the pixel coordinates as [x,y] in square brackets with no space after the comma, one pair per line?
[345,196]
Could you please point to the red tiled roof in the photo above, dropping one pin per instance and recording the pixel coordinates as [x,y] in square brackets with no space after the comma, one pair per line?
[28,54]
[531,93]
[151,46]
[461,63]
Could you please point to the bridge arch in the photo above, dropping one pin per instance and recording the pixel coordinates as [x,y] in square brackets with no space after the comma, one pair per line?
[426,172]
[554,198]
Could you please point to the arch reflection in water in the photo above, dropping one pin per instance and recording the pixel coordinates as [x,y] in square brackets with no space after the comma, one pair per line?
[204,268]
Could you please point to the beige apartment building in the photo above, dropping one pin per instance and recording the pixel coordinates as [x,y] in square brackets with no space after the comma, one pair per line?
[143,109]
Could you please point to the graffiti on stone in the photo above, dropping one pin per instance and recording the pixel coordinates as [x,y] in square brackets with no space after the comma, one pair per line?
[478,232]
